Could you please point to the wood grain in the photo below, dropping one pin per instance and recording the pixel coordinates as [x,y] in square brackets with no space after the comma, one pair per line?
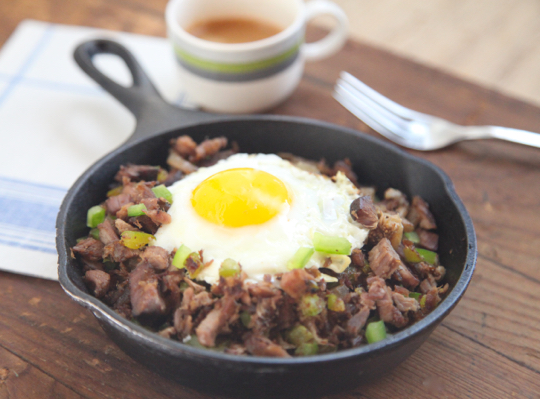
[488,42]
[19,379]
[489,347]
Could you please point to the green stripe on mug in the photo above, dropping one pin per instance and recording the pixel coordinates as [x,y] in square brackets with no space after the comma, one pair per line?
[224,68]
[254,75]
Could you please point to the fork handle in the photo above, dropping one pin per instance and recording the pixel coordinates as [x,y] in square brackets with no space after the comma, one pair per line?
[506,133]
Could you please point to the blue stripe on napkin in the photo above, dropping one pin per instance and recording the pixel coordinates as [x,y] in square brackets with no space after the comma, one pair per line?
[28,215]
[40,45]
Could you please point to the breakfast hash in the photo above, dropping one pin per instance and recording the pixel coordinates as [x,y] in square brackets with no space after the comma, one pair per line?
[260,254]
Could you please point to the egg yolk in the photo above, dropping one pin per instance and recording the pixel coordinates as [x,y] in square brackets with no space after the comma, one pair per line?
[240,197]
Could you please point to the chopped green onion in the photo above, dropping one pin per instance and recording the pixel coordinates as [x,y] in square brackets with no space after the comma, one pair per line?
[300,258]
[307,349]
[163,192]
[415,295]
[136,239]
[162,175]
[335,304]
[412,236]
[229,268]
[411,254]
[194,342]
[115,191]
[429,256]
[136,210]
[331,244]
[417,255]
[299,335]
[311,305]
[245,318]
[180,256]
[375,332]
[94,233]
[423,301]
[95,216]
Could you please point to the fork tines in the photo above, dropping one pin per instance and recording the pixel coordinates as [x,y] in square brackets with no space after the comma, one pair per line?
[378,112]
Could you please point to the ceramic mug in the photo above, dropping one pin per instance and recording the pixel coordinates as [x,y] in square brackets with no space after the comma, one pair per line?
[250,76]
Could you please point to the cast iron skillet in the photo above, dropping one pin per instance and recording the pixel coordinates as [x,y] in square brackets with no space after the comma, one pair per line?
[376,163]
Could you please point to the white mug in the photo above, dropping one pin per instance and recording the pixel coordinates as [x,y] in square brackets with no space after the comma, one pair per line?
[251,76]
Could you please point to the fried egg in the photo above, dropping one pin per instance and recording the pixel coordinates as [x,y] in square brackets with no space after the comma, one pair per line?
[258,209]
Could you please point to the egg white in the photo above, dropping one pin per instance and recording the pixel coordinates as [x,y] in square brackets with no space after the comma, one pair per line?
[318,204]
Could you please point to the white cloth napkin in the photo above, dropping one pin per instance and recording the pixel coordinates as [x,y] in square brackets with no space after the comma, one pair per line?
[54,123]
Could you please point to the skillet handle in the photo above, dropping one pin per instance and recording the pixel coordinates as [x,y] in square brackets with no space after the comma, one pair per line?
[154,115]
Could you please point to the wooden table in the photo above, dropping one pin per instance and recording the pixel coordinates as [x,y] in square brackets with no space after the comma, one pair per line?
[489,347]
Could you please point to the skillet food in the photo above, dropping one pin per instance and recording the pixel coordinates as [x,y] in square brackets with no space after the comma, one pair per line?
[260,255]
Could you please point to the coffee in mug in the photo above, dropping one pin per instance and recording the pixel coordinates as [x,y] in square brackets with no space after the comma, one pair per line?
[233,29]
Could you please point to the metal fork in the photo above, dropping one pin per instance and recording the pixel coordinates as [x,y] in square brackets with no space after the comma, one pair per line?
[414,129]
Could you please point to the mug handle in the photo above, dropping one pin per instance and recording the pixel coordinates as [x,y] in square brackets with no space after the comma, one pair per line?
[332,42]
